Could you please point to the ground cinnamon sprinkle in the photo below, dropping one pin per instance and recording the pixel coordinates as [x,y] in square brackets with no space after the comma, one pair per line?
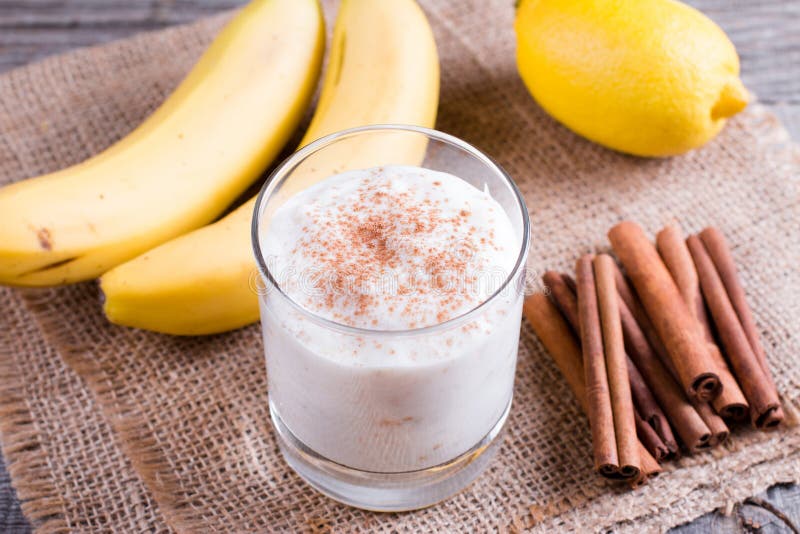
[391,249]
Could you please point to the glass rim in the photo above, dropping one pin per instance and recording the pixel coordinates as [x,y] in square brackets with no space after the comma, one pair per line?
[284,169]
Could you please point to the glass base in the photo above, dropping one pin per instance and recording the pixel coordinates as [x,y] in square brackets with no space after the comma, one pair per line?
[387,492]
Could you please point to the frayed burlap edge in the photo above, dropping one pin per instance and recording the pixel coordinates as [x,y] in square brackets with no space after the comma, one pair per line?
[133,434]
[756,479]
[748,465]
[27,460]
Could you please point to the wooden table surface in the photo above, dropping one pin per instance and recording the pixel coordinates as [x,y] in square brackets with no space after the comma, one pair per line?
[766,34]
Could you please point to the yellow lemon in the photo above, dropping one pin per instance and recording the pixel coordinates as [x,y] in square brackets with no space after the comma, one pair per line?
[645,77]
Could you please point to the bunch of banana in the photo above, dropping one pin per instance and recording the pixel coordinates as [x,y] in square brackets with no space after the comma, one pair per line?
[183,166]
[210,139]
[383,68]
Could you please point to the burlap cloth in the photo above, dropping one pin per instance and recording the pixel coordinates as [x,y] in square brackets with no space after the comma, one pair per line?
[107,428]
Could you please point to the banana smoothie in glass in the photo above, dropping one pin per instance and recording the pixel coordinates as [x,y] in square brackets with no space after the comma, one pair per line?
[391,317]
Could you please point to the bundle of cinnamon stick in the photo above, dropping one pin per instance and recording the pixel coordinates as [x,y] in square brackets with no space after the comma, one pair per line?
[661,360]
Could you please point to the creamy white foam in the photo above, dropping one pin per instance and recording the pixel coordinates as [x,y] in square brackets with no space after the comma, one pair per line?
[391,248]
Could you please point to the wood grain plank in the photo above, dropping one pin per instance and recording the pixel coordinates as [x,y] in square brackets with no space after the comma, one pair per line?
[767,35]
[32,30]
[783,496]
[11,519]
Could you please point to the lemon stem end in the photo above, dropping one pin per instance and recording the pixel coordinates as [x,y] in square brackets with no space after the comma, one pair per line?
[732,99]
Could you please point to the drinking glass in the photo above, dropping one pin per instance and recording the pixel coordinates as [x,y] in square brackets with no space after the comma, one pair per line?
[385,432]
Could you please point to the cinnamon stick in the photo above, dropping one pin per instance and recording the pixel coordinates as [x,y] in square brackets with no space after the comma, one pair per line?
[648,466]
[699,430]
[616,366]
[564,348]
[715,423]
[670,316]
[561,289]
[721,256]
[649,410]
[676,257]
[598,397]
[765,408]
[731,402]
[560,342]
[650,439]
[563,293]
[628,296]
[688,424]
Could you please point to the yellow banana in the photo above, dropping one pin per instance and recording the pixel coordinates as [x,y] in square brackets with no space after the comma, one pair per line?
[383,68]
[183,166]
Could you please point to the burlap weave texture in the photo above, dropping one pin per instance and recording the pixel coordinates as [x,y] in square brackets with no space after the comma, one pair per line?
[181,425]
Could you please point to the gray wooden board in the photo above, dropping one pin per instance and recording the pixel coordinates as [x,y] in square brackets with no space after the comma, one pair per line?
[766,34]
